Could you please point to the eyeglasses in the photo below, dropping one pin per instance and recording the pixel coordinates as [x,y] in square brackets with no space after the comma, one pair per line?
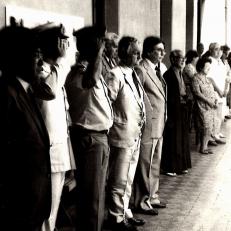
[180,58]
[160,50]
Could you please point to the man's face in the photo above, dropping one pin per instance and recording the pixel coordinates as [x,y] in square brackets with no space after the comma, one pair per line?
[133,54]
[216,51]
[157,53]
[179,60]
[111,48]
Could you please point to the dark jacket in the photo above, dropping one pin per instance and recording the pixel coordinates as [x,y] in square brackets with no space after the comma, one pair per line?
[24,159]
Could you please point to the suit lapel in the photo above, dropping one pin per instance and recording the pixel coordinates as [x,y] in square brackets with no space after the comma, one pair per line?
[155,79]
[127,80]
[33,109]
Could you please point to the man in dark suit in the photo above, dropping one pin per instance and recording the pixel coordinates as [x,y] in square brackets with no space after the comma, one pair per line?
[25,185]
[176,154]
[148,170]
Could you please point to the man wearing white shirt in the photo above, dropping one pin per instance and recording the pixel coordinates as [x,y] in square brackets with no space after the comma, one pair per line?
[217,75]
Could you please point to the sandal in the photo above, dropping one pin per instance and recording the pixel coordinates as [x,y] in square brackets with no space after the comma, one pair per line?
[204,152]
[209,151]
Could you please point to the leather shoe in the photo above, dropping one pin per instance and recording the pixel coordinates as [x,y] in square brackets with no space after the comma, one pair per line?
[220,141]
[160,205]
[124,226]
[148,211]
[212,143]
[136,221]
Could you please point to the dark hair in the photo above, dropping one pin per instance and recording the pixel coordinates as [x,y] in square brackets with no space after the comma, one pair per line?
[225,48]
[201,63]
[148,45]
[87,40]
[190,55]
[16,44]
[124,43]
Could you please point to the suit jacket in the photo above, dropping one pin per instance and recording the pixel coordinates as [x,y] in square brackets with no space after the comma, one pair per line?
[173,97]
[155,102]
[24,161]
[107,66]
[129,109]
[55,114]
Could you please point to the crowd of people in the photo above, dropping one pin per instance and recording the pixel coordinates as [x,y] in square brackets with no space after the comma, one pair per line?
[113,122]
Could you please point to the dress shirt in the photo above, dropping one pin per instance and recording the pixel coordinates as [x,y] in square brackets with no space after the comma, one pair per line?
[217,73]
[89,108]
[161,66]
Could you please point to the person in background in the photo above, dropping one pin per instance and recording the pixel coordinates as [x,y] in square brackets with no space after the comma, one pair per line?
[146,184]
[92,117]
[126,94]
[176,154]
[218,76]
[200,49]
[229,92]
[52,43]
[225,53]
[110,54]
[188,74]
[206,101]
[25,181]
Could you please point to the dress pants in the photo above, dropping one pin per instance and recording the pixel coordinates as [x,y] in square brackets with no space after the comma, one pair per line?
[123,163]
[57,183]
[91,152]
[146,184]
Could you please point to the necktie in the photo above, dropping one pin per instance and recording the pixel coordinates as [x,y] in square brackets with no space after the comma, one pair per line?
[158,73]
[136,82]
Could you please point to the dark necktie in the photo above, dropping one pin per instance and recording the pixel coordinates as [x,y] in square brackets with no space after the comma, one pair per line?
[158,73]
[135,80]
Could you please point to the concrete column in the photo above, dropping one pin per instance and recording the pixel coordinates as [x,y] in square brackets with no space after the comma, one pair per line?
[166,27]
[112,15]
[191,24]
[173,25]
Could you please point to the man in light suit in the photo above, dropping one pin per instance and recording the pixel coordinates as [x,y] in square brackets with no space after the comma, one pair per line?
[126,93]
[110,54]
[147,175]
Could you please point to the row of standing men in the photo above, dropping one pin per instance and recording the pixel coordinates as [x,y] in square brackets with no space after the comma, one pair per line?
[119,111]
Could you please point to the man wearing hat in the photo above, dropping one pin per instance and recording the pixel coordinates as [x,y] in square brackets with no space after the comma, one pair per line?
[52,73]
[91,115]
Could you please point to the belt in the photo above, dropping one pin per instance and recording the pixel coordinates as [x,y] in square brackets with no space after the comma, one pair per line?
[87,131]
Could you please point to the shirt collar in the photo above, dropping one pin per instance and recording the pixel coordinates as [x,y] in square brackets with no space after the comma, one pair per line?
[152,65]
[127,70]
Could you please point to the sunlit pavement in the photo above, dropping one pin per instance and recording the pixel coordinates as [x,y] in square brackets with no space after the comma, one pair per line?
[200,200]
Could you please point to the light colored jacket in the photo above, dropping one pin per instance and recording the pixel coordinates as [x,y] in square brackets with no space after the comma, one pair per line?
[55,114]
[129,109]
[155,103]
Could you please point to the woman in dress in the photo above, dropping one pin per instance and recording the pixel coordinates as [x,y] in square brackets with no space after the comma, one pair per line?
[206,102]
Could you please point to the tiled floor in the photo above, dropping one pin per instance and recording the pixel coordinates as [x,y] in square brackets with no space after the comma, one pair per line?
[200,200]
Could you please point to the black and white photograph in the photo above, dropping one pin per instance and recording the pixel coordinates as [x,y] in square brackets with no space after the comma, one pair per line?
[115,115]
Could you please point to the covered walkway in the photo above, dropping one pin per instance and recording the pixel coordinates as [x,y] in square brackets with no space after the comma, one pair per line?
[200,200]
